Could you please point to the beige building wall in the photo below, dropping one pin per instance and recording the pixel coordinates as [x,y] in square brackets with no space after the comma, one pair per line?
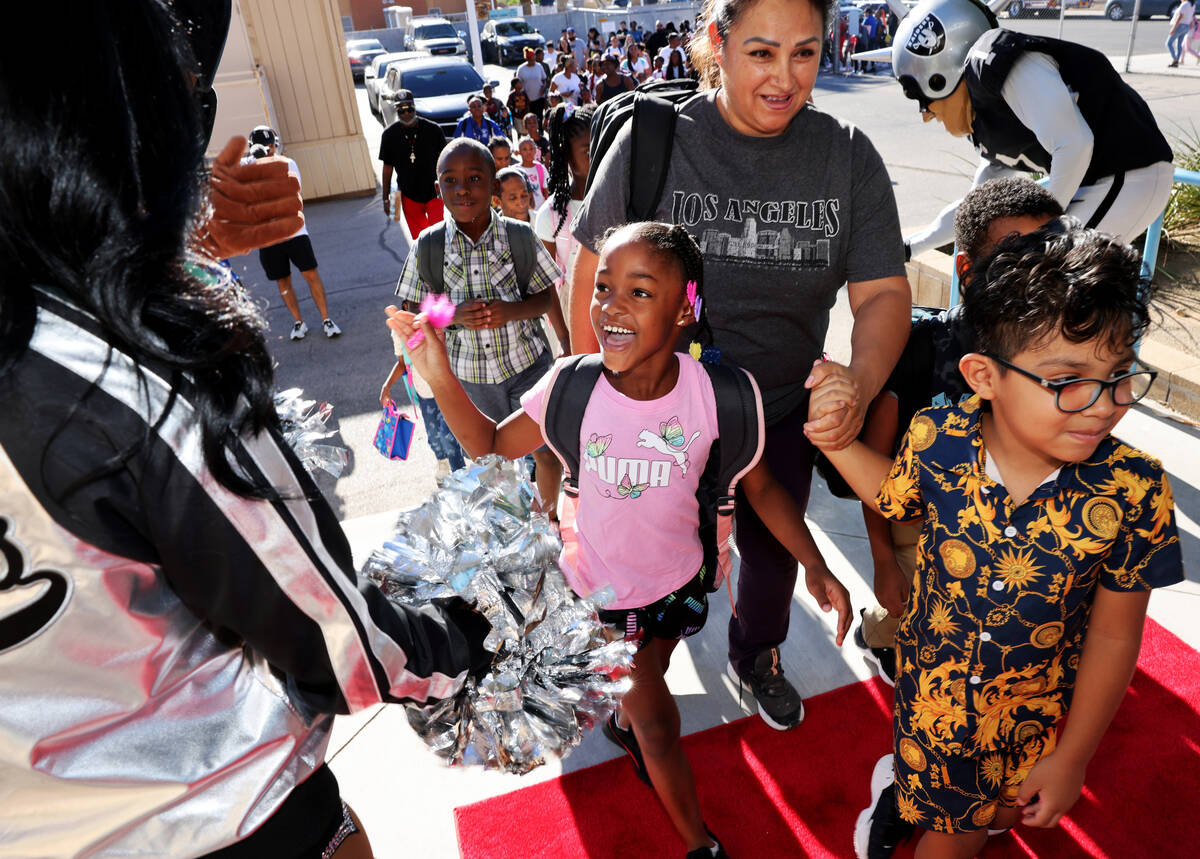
[285,65]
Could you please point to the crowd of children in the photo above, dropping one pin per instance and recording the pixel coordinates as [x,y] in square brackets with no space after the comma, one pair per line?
[1015,540]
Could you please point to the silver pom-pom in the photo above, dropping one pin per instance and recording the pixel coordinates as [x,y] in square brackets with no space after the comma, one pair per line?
[555,672]
[303,424]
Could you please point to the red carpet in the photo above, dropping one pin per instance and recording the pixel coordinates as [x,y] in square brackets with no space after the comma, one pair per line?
[771,794]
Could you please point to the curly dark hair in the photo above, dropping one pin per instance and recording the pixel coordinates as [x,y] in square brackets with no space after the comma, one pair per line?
[1060,279]
[1010,197]
[674,243]
[566,123]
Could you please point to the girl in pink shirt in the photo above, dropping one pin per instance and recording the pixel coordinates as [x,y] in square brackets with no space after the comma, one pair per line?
[645,439]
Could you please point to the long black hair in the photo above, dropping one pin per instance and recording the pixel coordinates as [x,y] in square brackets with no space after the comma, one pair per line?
[101,178]
[567,122]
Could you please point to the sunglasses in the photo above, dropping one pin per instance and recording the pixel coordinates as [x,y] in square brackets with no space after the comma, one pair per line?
[408,108]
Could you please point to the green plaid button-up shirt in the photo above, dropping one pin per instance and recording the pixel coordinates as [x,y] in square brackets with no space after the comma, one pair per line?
[484,269]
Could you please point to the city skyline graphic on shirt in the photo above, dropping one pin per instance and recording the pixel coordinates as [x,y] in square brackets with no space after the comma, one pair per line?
[769,248]
[773,234]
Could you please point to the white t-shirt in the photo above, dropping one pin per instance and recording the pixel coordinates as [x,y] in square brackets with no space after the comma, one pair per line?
[533,78]
[636,68]
[566,246]
[568,86]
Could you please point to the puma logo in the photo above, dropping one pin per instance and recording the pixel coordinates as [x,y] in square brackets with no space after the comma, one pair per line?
[648,438]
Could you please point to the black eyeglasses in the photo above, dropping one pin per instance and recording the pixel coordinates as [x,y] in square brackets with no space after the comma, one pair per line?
[1077,395]
[406,109]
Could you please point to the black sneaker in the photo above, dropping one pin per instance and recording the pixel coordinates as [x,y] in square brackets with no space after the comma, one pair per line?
[879,829]
[624,737]
[717,852]
[779,704]
[880,659]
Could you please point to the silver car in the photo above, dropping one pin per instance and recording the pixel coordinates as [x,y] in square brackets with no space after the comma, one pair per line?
[375,74]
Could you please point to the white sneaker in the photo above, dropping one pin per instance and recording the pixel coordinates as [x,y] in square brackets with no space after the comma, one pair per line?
[331,329]
[442,470]
[298,331]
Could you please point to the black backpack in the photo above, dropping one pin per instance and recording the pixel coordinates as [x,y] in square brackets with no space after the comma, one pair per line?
[652,107]
[738,446]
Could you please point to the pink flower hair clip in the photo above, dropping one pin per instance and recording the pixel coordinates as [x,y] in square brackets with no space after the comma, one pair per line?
[694,300]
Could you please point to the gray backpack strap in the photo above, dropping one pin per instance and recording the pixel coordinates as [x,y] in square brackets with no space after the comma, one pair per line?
[431,256]
[522,245]
[565,403]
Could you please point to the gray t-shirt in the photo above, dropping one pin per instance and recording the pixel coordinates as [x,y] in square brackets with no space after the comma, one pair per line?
[783,223]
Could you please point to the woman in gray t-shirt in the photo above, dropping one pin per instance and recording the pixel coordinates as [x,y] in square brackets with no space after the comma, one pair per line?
[788,203]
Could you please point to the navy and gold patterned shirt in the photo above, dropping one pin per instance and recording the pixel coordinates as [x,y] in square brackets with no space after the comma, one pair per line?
[990,641]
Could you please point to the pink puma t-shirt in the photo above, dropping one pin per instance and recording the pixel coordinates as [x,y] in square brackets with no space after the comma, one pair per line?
[640,461]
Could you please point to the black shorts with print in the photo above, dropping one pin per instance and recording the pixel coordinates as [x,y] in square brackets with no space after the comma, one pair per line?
[678,615]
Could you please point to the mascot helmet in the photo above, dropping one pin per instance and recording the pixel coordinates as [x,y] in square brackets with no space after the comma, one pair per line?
[931,45]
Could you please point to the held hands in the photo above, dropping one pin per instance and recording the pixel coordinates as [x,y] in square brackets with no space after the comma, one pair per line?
[480,313]
[253,205]
[835,409]
[830,594]
[1049,791]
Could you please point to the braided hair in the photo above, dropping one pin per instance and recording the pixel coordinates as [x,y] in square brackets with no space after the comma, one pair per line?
[675,242]
[567,122]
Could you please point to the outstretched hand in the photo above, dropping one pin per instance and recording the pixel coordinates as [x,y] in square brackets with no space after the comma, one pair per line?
[429,355]
[253,205]
[830,594]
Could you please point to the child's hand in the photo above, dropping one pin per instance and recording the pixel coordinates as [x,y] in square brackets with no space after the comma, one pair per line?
[891,587]
[1049,791]
[428,356]
[830,594]
[472,314]
[385,395]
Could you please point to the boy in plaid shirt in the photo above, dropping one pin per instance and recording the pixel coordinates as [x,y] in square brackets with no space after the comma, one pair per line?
[495,344]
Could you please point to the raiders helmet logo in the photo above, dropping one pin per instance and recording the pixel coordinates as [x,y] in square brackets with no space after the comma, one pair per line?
[927,38]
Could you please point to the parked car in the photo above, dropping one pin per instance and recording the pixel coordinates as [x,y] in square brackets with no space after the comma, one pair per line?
[1119,10]
[440,88]
[360,52]
[374,74]
[1040,8]
[505,41]
[435,35]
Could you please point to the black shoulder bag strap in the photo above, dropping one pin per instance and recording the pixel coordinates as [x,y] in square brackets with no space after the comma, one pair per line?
[652,136]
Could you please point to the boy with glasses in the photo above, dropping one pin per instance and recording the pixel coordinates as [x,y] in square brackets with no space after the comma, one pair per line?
[927,374]
[1042,536]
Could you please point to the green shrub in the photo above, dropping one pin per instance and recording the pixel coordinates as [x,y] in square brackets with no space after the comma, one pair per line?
[1183,209]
